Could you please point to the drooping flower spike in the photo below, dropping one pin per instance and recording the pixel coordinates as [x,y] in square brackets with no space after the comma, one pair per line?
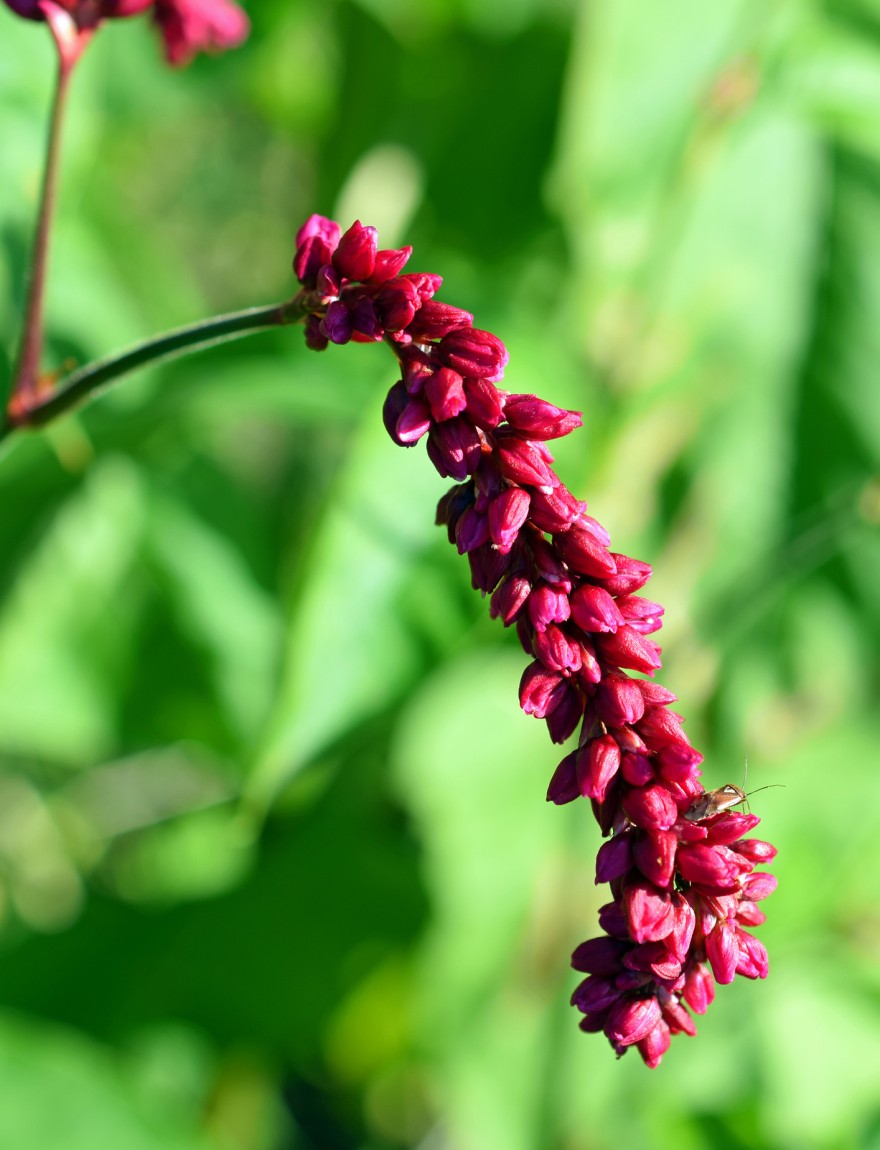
[186,26]
[682,880]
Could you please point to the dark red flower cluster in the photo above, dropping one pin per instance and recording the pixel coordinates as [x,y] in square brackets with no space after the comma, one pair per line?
[682,875]
[186,26]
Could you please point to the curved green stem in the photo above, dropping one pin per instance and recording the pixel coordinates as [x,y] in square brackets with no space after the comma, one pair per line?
[86,381]
[26,385]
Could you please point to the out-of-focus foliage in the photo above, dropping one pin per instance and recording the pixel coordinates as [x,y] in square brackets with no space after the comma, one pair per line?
[275,865]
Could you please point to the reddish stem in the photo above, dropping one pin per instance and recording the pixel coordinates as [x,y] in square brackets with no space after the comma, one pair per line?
[27,388]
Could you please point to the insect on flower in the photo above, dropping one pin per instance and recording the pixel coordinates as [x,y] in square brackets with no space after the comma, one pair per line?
[722,799]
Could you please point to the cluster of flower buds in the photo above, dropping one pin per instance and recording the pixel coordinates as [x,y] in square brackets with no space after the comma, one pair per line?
[186,26]
[681,873]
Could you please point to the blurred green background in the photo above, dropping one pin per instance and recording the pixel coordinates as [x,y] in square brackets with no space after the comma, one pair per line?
[276,870]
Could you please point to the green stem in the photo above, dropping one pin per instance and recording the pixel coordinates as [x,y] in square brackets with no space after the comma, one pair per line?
[86,381]
[26,385]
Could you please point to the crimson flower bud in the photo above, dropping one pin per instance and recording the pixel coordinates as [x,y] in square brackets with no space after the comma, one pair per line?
[654,1045]
[618,701]
[641,614]
[584,553]
[648,911]
[538,419]
[684,921]
[598,955]
[547,605]
[632,1020]
[509,598]
[613,859]
[563,719]
[471,531]
[753,961]
[650,807]
[556,651]
[483,402]
[598,761]
[636,769]
[654,855]
[727,827]
[709,865]
[699,988]
[722,952]
[336,324]
[435,319]
[397,304]
[355,255]
[191,26]
[627,648]
[593,609]
[474,352]
[628,575]
[414,422]
[555,510]
[389,263]
[540,690]
[595,994]
[563,786]
[454,448]
[521,463]
[315,338]
[758,886]
[507,513]
[445,394]
[755,850]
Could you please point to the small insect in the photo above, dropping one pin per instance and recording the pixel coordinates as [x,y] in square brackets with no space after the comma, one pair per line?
[714,802]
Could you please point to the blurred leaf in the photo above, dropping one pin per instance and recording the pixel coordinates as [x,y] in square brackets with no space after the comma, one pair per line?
[65,1091]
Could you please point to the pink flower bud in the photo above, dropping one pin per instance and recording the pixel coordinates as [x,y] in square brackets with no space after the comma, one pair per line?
[636,769]
[547,605]
[729,826]
[598,761]
[653,958]
[650,807]
[755,850]
[445,394]
[397,303]
[599,955]
[684,921]
[654,1045]
[654,855]
[723,952]
[628,575]
[709,865]
[583,553]
[677,1018]
[619,702]
[758,886]
[699,989]
[191,26]
[614,858]
[355,255]
[753,961]
[471,531]
[509,598]
[631,1020]
[336,324]
[389,263]
[555,510]
[556,651]
[563,719]
[470,351]
[563,786]
[659,726]
[649,911]
[593,609]
[483,402]
[537,419]
[414,422]
[434,320]
[595,994]
[507,513]
[641,614]
[654,693]
[521,463]
[425,284]
[454,448]
[540,690]
[627,648]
